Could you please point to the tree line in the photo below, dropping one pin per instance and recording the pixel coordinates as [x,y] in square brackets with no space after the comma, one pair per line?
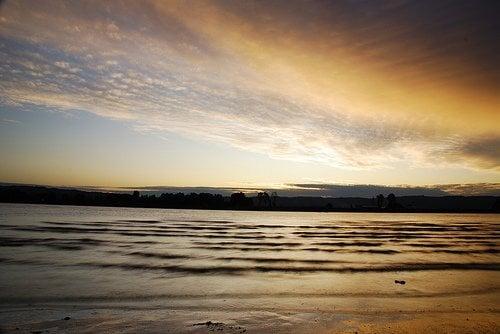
[241,201]
[45,195]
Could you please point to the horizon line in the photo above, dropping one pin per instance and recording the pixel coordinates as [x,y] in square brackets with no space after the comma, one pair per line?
[304,189]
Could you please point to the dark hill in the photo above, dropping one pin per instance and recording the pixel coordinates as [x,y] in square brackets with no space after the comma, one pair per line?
[239,201]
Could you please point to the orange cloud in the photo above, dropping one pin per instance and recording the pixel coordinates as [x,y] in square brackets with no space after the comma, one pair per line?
[352,86]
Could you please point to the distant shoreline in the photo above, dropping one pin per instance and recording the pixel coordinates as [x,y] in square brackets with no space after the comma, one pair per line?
[203,201]
[257,210]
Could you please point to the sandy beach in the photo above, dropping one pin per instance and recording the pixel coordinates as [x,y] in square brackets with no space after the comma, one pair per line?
[51,319]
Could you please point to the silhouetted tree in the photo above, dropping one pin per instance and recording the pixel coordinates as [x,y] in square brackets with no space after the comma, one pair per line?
[239,201]
[267,200]
[263,199]
[391,200]
[380,200]
[392,203]
[274,197]
[260,199]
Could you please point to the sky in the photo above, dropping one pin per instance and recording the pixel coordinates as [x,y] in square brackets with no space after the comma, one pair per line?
[251,94]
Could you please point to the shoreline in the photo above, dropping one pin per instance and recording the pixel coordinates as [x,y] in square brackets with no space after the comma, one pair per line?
[261,210]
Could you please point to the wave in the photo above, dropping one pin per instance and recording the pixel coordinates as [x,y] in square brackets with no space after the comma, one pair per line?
[330,247]
[239,270]
[163,256]
[216,296]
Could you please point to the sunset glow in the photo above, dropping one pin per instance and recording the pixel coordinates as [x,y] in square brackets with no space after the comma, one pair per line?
[240,93]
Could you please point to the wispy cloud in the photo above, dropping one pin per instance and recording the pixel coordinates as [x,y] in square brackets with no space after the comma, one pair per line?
[164,71]
[9,121]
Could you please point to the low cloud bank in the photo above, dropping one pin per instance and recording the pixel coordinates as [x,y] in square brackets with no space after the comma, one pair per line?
[339,190]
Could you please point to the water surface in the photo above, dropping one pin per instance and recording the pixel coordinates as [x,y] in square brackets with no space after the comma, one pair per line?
[193,259]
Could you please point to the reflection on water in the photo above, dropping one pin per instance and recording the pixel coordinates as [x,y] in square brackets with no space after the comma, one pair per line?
[53,253]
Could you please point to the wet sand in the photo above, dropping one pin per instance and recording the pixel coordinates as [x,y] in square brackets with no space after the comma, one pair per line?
[51,319]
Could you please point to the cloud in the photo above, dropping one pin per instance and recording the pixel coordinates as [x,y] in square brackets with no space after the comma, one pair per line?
[370,190]
[9,121]
[473,189]
[334,190]
[330,92]
[486,151]
[364,190]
